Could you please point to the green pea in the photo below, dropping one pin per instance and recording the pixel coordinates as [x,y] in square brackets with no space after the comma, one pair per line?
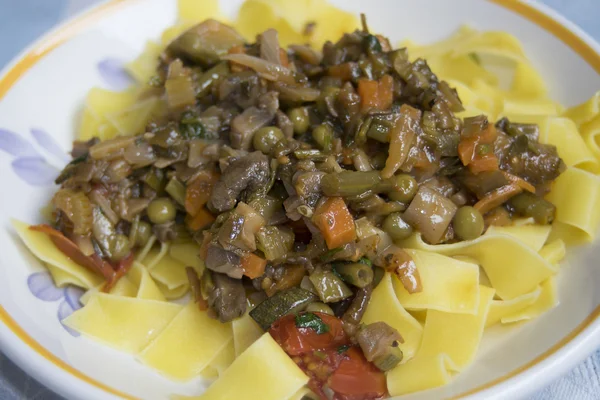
[323,135]
[300,119]
[319,307]
[468,223]
[396,227]
[143,234]
[405,188]
[266,138]
[120,247]
[161,211]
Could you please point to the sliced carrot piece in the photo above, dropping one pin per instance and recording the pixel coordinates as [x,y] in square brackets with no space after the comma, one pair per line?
[253,265]
[201,220]
[335,222]
[198,191]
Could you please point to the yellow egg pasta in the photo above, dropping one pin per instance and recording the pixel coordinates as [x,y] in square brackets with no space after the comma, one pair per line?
[457,335]
[245,332]
[195,11]
[576,195]
[262,372]
[512,267]
[154,255]
[421,373]
[187,254]
[530,234]
[546,301]
[124,323]
[144,66]
[42,247]
[384,306]
[173,294]
[501,308]
[586,111]
[169,272]
[563,133]
[146,287]
[505,276]
[187,345]
[63,278]
[590,132]
[554,251]
[448,284]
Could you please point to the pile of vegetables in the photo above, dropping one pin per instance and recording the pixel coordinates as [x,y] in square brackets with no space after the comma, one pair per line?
[299,172]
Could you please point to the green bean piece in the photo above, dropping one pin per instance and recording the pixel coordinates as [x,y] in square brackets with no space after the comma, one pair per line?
[356,274]
[323,135]
[176,190]
[120,247]
[161,210]
[378,161]
[328,94]
[329,286]
[208,78]
[266,138]
[155,178]
[468,223]
[351,183]
[319,307]
[405,188]
[396,227]
[378,274]
[531,206]
[274,241]
[300,119]
[379,130]
[390,359]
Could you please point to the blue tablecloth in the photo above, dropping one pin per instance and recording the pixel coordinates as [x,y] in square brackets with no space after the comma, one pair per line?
[22,21]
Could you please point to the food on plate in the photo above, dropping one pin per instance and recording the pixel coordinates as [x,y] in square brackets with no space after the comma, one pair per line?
[347,216]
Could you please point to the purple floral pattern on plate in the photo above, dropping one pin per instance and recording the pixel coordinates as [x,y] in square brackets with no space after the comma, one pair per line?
[28,164]
[42,287]
[114,74]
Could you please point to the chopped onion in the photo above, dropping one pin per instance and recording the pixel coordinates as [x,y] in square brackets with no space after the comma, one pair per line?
[112,148]
[402,136]
[139,154]
[267,70]
[297,93]
[269,46]
[307,54]
[98,198]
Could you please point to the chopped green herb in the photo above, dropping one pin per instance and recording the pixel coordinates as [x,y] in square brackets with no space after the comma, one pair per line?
[475,57]
[365,261]
[372,43]
[343,348]
[312,321]
[330,253]
[320,354]
[79,159]
[155,81]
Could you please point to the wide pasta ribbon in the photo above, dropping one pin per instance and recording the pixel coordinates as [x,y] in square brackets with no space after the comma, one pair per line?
[512,267]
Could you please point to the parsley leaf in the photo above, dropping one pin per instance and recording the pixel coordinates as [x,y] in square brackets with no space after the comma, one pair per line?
[312,321]
[343,348]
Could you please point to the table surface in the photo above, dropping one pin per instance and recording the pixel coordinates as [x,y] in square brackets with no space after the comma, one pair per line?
[22,21]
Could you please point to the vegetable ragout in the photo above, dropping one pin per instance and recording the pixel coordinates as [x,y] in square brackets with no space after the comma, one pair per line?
[299,172]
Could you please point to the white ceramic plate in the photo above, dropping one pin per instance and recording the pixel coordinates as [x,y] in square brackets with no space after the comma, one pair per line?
[42,92]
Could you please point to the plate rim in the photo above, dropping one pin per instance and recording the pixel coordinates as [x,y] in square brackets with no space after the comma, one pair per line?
[42,365]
